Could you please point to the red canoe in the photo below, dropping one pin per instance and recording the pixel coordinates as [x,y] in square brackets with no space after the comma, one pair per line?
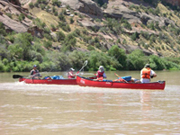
[83,81]
[49,81]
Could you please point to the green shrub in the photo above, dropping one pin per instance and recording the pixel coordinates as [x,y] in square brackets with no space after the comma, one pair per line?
[2,29]
[90,48]
[9,15]
[60,36]
[21,17]
[136,60]
[42,6]
[119,54]
[71,20]
[48,44]
[134,36]
[1,66]
[47,36]
[77,32]
[96,59]
[62,17]
[31,5]
[56,2]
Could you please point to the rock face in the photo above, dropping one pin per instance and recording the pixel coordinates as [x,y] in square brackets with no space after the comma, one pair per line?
[12,24]
[119,9]
[115,9]
[84,6]
[174,2]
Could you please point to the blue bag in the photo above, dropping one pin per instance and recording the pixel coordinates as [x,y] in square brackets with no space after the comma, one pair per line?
[127,78]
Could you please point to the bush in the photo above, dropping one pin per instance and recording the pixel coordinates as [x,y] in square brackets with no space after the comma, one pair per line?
[119,54]
[48,44]
[1,66]
[71,20]
[96,59]
[90,48]
[136,60]
[62,17]
[134,36]
[31,5]
[56,2]
[77,32]
[60,36]
[47,36]
[2,29]
[21,17]
[157,63]
[69,43]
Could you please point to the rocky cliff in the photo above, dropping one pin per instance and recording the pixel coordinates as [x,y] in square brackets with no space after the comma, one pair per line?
[134,11]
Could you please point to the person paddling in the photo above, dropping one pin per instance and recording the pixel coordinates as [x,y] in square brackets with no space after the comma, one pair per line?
[100,73]
[146,74]
[71,74]
[34,73]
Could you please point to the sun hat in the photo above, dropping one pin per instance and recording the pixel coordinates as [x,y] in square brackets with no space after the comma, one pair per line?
[101,68]
[72,69]
[147,65]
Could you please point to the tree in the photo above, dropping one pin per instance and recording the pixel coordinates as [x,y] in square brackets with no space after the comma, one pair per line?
[119,54]
[136,60]
[23,40]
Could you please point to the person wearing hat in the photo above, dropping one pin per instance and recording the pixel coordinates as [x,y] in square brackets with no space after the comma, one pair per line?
[71,73]
[146,74]
[100,73]
[34,73]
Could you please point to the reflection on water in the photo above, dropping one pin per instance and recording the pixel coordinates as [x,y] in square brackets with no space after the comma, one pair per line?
[74,110]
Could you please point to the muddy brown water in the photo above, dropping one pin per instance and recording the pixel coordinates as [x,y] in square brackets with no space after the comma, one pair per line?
[29,109]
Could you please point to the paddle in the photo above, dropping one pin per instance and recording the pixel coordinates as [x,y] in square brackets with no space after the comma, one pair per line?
[84,64]
[20,76]
[17,76]
[120,78]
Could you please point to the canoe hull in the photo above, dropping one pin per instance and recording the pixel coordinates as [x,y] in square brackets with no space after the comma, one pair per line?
[82,81]
[49,81]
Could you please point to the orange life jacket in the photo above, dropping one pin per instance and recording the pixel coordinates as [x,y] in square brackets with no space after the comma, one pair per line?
[146,73]
[119,80]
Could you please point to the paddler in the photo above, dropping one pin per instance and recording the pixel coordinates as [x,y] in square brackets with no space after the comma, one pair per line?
[34,73]
[146,74]
[71,74]
[100,73]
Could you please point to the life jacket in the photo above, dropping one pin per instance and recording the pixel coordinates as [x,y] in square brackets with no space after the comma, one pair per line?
[119,80]
[70,74]
[146,73]
[34,72]
[99,74]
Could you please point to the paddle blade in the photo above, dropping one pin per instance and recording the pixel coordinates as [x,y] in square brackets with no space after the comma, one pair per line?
[116,75]
[17,76]
[85,64]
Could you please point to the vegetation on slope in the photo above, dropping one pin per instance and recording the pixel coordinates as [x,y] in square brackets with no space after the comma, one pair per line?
[57,48]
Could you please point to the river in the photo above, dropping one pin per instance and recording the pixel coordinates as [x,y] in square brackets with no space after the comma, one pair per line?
[28,109]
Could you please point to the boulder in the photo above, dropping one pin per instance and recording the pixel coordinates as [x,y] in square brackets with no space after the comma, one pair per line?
[84,6]
[12,24]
